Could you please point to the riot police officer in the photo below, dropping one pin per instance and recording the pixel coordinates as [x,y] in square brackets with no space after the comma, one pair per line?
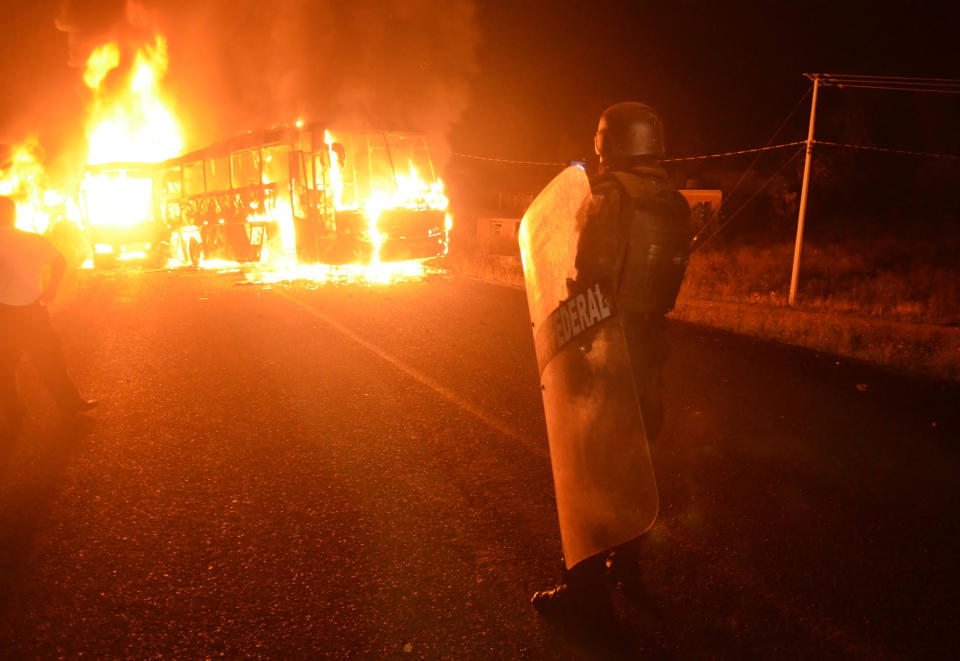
[638,236]
[636,239]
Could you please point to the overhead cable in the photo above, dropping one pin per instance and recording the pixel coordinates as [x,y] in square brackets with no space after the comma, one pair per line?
[697,244]
[913,79]
[733,153]
[507,160]
[899,89]
[662,160]
[889,83]
[896,84]
[887,149]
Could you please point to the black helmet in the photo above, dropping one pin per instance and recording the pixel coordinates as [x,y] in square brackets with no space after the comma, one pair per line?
[629,129]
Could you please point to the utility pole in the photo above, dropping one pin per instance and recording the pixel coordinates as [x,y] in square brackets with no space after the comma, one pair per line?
[803,193]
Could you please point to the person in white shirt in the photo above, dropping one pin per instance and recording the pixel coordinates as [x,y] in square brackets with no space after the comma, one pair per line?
[25,327]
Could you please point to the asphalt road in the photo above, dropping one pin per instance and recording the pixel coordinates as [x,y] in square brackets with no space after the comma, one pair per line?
[342,471]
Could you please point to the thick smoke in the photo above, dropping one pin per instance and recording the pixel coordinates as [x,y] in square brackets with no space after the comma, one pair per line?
[238,65]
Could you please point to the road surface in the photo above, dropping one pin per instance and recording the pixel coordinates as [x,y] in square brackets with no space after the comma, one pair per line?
[298,470]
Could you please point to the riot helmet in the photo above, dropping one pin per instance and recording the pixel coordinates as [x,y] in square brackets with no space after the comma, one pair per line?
[627,130]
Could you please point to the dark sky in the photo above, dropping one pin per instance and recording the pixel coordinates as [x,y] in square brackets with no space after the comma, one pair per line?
[520,80]
[722,74]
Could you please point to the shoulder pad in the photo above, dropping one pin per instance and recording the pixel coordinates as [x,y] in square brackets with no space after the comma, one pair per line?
[607,193]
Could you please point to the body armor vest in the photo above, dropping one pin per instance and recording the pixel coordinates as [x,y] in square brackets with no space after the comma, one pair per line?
[655,224]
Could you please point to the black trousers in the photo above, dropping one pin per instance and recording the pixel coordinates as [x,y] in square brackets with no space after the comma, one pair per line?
[647,338]
[26,330]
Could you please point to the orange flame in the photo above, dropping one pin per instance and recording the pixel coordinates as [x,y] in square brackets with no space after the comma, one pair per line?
[130,125]
[409,191]
[24,179]
[135,125]
[100,63]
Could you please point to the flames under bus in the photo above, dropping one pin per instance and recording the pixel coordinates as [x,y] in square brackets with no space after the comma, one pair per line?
[331,197]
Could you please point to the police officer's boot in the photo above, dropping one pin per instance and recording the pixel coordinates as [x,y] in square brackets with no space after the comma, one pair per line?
[625,572]
[580,594]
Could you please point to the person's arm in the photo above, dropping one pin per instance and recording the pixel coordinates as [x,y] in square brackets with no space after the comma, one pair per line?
[57,269]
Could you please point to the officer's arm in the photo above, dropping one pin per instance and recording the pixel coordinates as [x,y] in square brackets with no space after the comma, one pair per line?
[57,269]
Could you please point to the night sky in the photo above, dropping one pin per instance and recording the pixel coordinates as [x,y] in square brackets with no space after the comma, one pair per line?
[524,80]
[722,74]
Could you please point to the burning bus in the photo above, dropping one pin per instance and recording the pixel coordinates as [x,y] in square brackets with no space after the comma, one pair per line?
[306,194]
[304,191]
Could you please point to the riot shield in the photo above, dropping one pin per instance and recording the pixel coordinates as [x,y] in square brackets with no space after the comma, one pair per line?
[602,473]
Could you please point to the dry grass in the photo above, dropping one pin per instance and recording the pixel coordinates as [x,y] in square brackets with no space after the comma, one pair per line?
[917,282]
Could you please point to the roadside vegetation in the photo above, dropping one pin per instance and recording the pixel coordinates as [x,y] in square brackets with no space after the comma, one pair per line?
[884,277]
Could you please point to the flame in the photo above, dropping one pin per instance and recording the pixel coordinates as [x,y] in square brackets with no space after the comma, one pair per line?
[336,176]
[410,191]
[131,127]
[277,210]
[101,62]
[131,124]
[375,205]
[384,274]
[117,199]
[23,178]
[414,193]
[134,125]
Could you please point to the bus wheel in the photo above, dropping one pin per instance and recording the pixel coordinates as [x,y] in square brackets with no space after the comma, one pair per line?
[195,252]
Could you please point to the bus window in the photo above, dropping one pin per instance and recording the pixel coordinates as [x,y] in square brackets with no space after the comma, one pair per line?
[306,143]
[369,170]
[354,158]
[322,174]
[246,168]
[298,184]
[193,178]
[276,164]
[381,180]
[218,174]
[411,151]
[308,164]
[170,182]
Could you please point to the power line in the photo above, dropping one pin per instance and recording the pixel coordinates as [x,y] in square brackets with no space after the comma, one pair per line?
[507,160]
[899,89]
[732,153]
[675,159]
[899,84]
[697,246]
[911,79]
[887,149]
[889,83]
